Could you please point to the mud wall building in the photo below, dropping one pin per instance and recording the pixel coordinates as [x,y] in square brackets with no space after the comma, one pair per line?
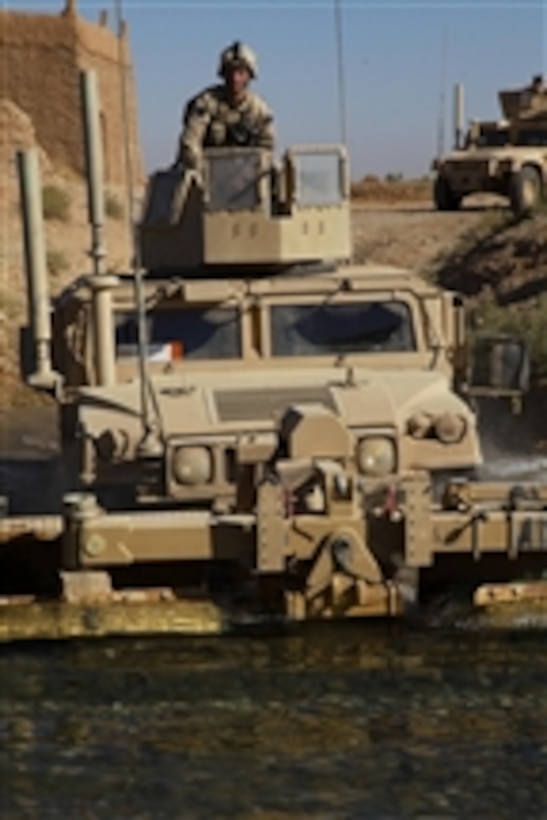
[41,56]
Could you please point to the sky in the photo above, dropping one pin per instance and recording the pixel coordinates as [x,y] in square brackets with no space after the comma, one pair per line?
[401,59]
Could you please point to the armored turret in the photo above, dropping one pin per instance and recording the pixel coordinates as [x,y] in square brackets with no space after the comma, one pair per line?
[525,102]
[245,214]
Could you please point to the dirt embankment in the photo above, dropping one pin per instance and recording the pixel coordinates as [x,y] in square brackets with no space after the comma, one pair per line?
[67,237]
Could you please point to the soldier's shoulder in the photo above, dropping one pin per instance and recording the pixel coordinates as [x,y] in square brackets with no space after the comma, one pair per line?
[259,106]
[205,101]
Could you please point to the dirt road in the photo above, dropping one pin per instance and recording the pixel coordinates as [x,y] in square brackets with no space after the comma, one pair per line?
[414,234]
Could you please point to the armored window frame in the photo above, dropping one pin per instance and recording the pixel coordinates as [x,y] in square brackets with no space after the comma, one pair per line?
[165,198]
[326,185]
[223,170]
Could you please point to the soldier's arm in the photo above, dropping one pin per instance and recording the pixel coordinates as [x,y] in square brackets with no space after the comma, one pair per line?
[267,129]
[196,119]
[264,124]
[267,132]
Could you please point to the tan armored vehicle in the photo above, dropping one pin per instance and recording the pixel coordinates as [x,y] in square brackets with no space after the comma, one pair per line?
[508,157]
[249,411]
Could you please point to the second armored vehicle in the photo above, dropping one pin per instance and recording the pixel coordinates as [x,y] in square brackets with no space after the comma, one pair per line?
[508,157]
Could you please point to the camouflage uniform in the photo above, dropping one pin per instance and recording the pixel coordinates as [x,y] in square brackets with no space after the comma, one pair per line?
[212,119]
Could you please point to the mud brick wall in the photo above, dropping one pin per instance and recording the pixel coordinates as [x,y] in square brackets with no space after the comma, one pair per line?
[41,57]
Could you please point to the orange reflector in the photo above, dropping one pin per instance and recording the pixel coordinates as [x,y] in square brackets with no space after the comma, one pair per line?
[177,350]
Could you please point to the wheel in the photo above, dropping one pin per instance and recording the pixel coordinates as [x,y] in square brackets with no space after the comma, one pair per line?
[444,196]
[525,191]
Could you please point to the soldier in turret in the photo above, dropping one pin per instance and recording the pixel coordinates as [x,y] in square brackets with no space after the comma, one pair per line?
[228,114]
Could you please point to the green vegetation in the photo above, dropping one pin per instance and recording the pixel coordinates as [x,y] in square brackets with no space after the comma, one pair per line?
[500,266]
[528,320]
[55,203]
[113,207]
[57,262]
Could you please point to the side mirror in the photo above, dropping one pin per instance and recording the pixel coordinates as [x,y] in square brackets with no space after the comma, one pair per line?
[499,367]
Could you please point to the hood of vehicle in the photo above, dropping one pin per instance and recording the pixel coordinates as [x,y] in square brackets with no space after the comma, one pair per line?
[486,155]
[371,398]
[224,407]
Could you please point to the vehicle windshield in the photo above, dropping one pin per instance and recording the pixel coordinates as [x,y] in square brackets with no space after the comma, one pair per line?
[491,138]
[187,333]
[532,136]
[336,329]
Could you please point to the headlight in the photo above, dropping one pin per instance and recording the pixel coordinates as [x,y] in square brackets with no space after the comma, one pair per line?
[450,428]
[192,465]
[376,456]
[419,424]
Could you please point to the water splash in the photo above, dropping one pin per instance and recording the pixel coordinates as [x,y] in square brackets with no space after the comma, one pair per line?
[515,467]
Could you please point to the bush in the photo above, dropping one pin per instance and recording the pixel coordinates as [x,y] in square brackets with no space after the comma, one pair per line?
[113,207]
[56,262]
[528,320]
[55,203]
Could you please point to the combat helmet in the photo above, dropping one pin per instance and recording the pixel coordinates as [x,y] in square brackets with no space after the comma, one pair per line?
[238,54]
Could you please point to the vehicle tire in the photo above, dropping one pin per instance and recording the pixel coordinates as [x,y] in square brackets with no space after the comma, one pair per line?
[444,196]
[525,191]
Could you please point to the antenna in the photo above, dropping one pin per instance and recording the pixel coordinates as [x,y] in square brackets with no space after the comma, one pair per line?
[442,97]
[341,77]
[459,115]
[148,445]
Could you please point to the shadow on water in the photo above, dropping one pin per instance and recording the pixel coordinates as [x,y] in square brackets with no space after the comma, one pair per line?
[345,720]
[31,472]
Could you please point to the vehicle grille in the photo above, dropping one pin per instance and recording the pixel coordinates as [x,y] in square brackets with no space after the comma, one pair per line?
[248,405]
[471,167]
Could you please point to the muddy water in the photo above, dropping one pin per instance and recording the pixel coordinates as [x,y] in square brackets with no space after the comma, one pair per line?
[346,721]
[350,721]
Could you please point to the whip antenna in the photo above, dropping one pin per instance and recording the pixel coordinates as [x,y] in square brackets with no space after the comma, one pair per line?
[442,99]
[149,442]
[341,76]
